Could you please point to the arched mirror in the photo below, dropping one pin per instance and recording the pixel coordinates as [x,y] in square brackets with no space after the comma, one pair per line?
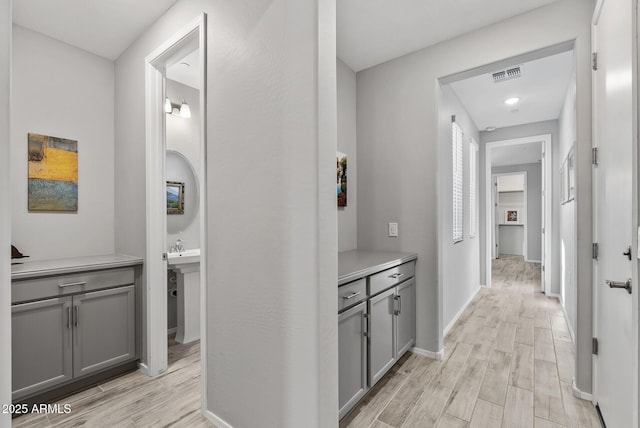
[182,192]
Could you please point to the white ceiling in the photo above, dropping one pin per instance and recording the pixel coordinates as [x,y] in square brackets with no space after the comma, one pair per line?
[371,32]
[187,70]
[103,27]
[541,90]
[516,155]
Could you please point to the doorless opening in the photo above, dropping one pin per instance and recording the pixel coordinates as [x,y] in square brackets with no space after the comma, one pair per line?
[190,38]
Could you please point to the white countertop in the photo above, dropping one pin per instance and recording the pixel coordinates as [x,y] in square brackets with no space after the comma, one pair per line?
[356,264]
[24,268]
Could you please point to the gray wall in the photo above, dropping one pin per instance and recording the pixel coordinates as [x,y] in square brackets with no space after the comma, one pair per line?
[397,144]
[538,128]
[458,285]
[348,216]
[567,232]
[183,136]
[271,328]
[5,212]
[511,239]
[534,206]
[66,92]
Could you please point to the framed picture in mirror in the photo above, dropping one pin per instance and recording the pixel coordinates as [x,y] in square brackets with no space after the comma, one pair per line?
[175,197]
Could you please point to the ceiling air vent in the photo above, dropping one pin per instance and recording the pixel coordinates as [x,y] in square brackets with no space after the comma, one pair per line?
[508,74]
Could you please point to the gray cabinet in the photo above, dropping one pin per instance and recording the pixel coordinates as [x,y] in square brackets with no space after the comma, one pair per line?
[73,322]
[104,329]
[352,356]
[41,345]
[405,316]
[382,347]
[376,320]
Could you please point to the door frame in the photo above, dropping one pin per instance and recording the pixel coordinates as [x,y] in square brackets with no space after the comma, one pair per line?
[155,263]
[494,178]
[547,176]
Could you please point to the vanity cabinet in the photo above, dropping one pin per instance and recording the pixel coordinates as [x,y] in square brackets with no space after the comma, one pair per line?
[393,327]
[71,321]
[383,334]
[405,316]
[41,345]
[376,319]
[104,329]
[352,356]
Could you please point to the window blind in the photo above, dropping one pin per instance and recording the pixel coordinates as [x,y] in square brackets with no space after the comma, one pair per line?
[457,145]
[473,188]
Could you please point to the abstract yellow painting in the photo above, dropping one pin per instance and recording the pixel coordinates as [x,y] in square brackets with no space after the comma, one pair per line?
[53,173]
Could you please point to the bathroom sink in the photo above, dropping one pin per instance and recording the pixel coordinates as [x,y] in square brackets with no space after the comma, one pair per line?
[183,258]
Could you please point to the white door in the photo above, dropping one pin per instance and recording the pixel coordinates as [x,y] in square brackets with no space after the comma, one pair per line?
[614,138]
[543,218]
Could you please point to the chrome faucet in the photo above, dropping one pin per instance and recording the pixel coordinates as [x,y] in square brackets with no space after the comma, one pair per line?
[178,247]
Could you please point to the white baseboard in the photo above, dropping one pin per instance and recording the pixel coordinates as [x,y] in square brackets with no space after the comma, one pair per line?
[566,319]
[534,261]
[457,316]
[172,330]
[550,294]
[429,354]
[143,368]
[216,420]
[580,394]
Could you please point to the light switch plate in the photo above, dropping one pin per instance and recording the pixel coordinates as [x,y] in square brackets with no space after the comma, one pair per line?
[393,230]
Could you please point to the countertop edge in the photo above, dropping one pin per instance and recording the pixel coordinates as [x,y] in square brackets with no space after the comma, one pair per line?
[370,270]
[111,261]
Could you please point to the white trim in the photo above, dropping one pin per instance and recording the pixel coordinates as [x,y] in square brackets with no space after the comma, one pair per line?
[143,368]
[429,354]
[525,245]
[554,295]
[156,268]
[217,421]
[204,249]
[533,261]
[457,316]
[172,331]
[545,139]
[597,10]
[580,394]
[566,319]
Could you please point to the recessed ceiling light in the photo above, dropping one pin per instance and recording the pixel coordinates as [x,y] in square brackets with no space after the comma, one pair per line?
[490,128]
[511,101]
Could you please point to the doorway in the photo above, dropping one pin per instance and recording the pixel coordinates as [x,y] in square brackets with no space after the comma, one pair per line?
[510,214]
[499,205]
[190,39]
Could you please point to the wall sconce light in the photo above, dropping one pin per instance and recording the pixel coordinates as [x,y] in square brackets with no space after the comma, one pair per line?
[182,110]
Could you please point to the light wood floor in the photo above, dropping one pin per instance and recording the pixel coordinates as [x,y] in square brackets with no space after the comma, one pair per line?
[508,362]
[136,400]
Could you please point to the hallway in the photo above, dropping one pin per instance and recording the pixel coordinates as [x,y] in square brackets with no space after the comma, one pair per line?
[508,362]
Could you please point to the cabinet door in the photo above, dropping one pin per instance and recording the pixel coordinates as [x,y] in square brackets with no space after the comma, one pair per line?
[382,347]
[104,329]
[406,316]
[41,345]
[352,357]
